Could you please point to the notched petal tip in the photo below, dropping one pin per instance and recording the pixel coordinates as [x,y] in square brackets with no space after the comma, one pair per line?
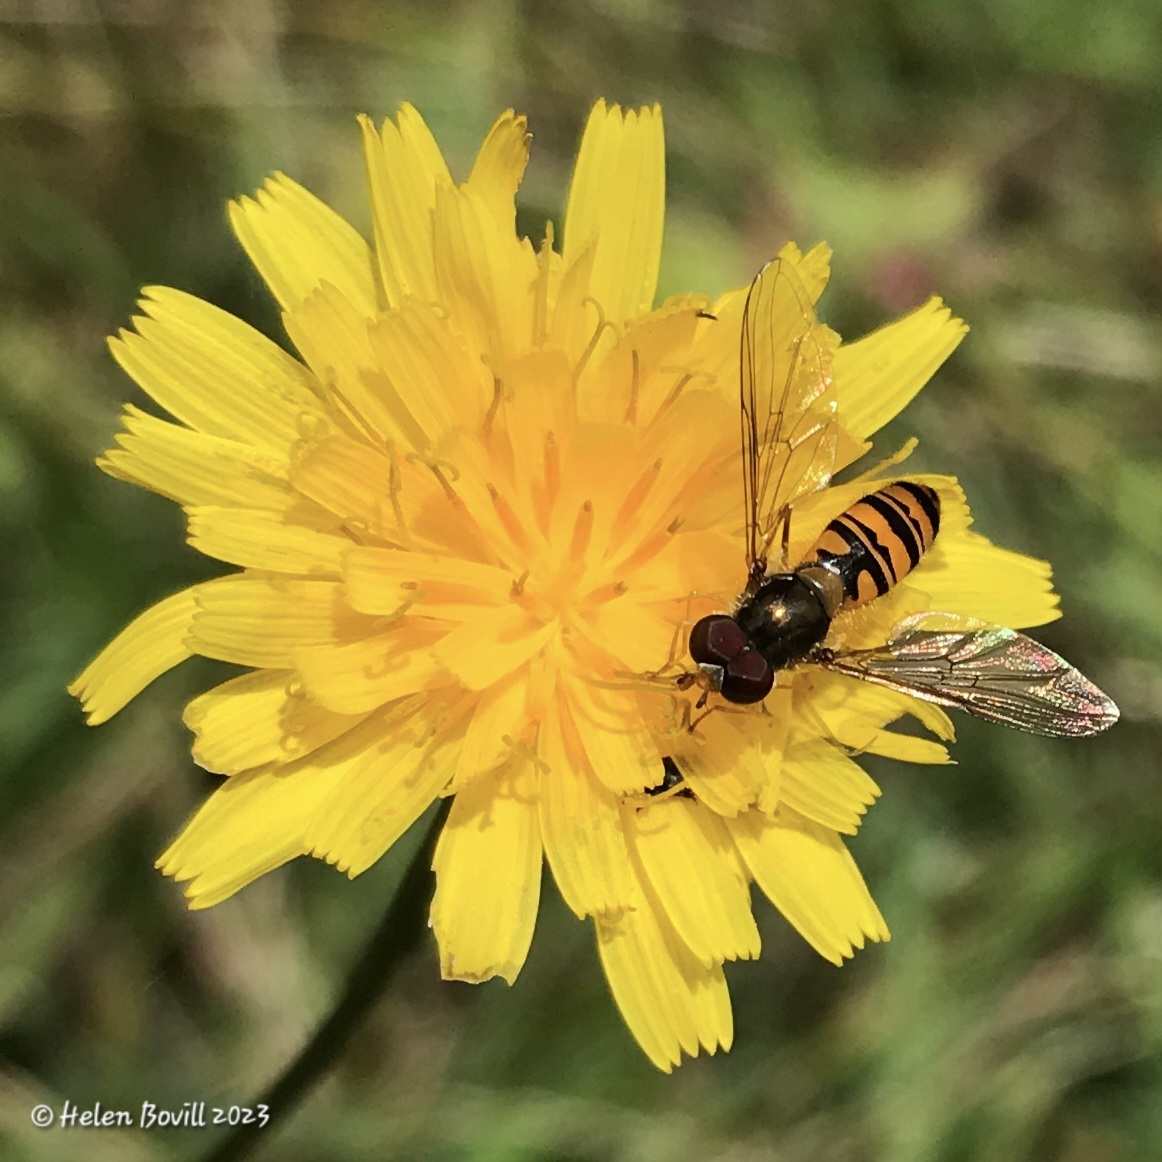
[84,695]
[617,195]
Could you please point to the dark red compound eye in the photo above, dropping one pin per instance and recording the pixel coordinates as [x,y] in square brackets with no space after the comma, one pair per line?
[748,678]
[718,640]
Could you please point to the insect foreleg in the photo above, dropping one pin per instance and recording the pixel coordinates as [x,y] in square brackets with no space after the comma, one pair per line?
[677,642]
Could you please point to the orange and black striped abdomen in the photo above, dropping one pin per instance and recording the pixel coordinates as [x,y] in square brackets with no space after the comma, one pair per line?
[879,540]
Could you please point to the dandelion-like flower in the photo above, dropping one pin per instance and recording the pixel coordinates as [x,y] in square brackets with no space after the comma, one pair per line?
[493,490]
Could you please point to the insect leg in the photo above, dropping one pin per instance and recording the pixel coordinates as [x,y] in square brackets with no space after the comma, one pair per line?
[677,647]
[690,724]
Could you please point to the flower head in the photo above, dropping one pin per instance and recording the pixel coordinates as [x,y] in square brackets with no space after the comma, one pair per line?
[494,489]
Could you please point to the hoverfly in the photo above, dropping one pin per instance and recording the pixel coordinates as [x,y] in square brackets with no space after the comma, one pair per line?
[789,434]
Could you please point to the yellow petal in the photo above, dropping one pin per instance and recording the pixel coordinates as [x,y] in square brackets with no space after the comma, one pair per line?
[476,520]
[215,373]
[809,875]
[485,277]
[331,333]
[535,399]
[716,348]
[576,325]
[497,723]
[598,466]
[834,695]
[710,562]
[671,1002]
[615,739]
[877,376]
[193,468]
[297,242]
[404,166]
[425,380]
[354,678]
[483,650]
[580,824]
[259,718]
[382,795]
[733,760]
[813,268]
[355,482]
[716,345]
[855,714]
[644,369]
[488,877]
[691,864]
[617,201]
[382,580]
[966,573]
[821,782]
[499,167]
[259,539]
[256,821]
[629,632]
[152,643]
[256,621]
[725,786]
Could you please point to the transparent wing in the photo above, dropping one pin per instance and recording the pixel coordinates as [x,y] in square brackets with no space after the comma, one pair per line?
[789,424]
[986,670]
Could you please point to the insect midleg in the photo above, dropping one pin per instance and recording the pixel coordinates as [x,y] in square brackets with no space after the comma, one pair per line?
[690,724]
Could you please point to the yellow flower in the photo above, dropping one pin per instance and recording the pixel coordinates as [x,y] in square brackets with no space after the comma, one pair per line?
[485,496]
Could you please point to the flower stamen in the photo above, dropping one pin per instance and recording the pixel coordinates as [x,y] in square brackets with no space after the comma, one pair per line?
[582,531]
[652,546]
[387,620]
[634,386]
[541,294]
[436,465]
[606,593]
[292,745]
[552,459]
[380,669]
[684,378]
[509,519]
[602,324]
[343,406]
[494,406]
[394,487]
[637,494]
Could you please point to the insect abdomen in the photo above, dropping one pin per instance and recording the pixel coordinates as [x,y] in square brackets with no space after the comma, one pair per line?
[879,540]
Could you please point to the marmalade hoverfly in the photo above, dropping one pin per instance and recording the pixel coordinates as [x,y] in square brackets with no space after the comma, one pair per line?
[789,434]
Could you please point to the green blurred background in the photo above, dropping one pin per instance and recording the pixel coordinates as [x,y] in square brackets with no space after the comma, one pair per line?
[1004,154]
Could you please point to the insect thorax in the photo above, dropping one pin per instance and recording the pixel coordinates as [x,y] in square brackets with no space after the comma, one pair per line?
[785,617]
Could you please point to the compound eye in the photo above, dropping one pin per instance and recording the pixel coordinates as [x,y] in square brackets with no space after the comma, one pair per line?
[716,640]
[747,678]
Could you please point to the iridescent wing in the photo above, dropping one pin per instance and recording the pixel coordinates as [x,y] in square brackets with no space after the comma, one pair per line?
[987,671]
[789,425]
